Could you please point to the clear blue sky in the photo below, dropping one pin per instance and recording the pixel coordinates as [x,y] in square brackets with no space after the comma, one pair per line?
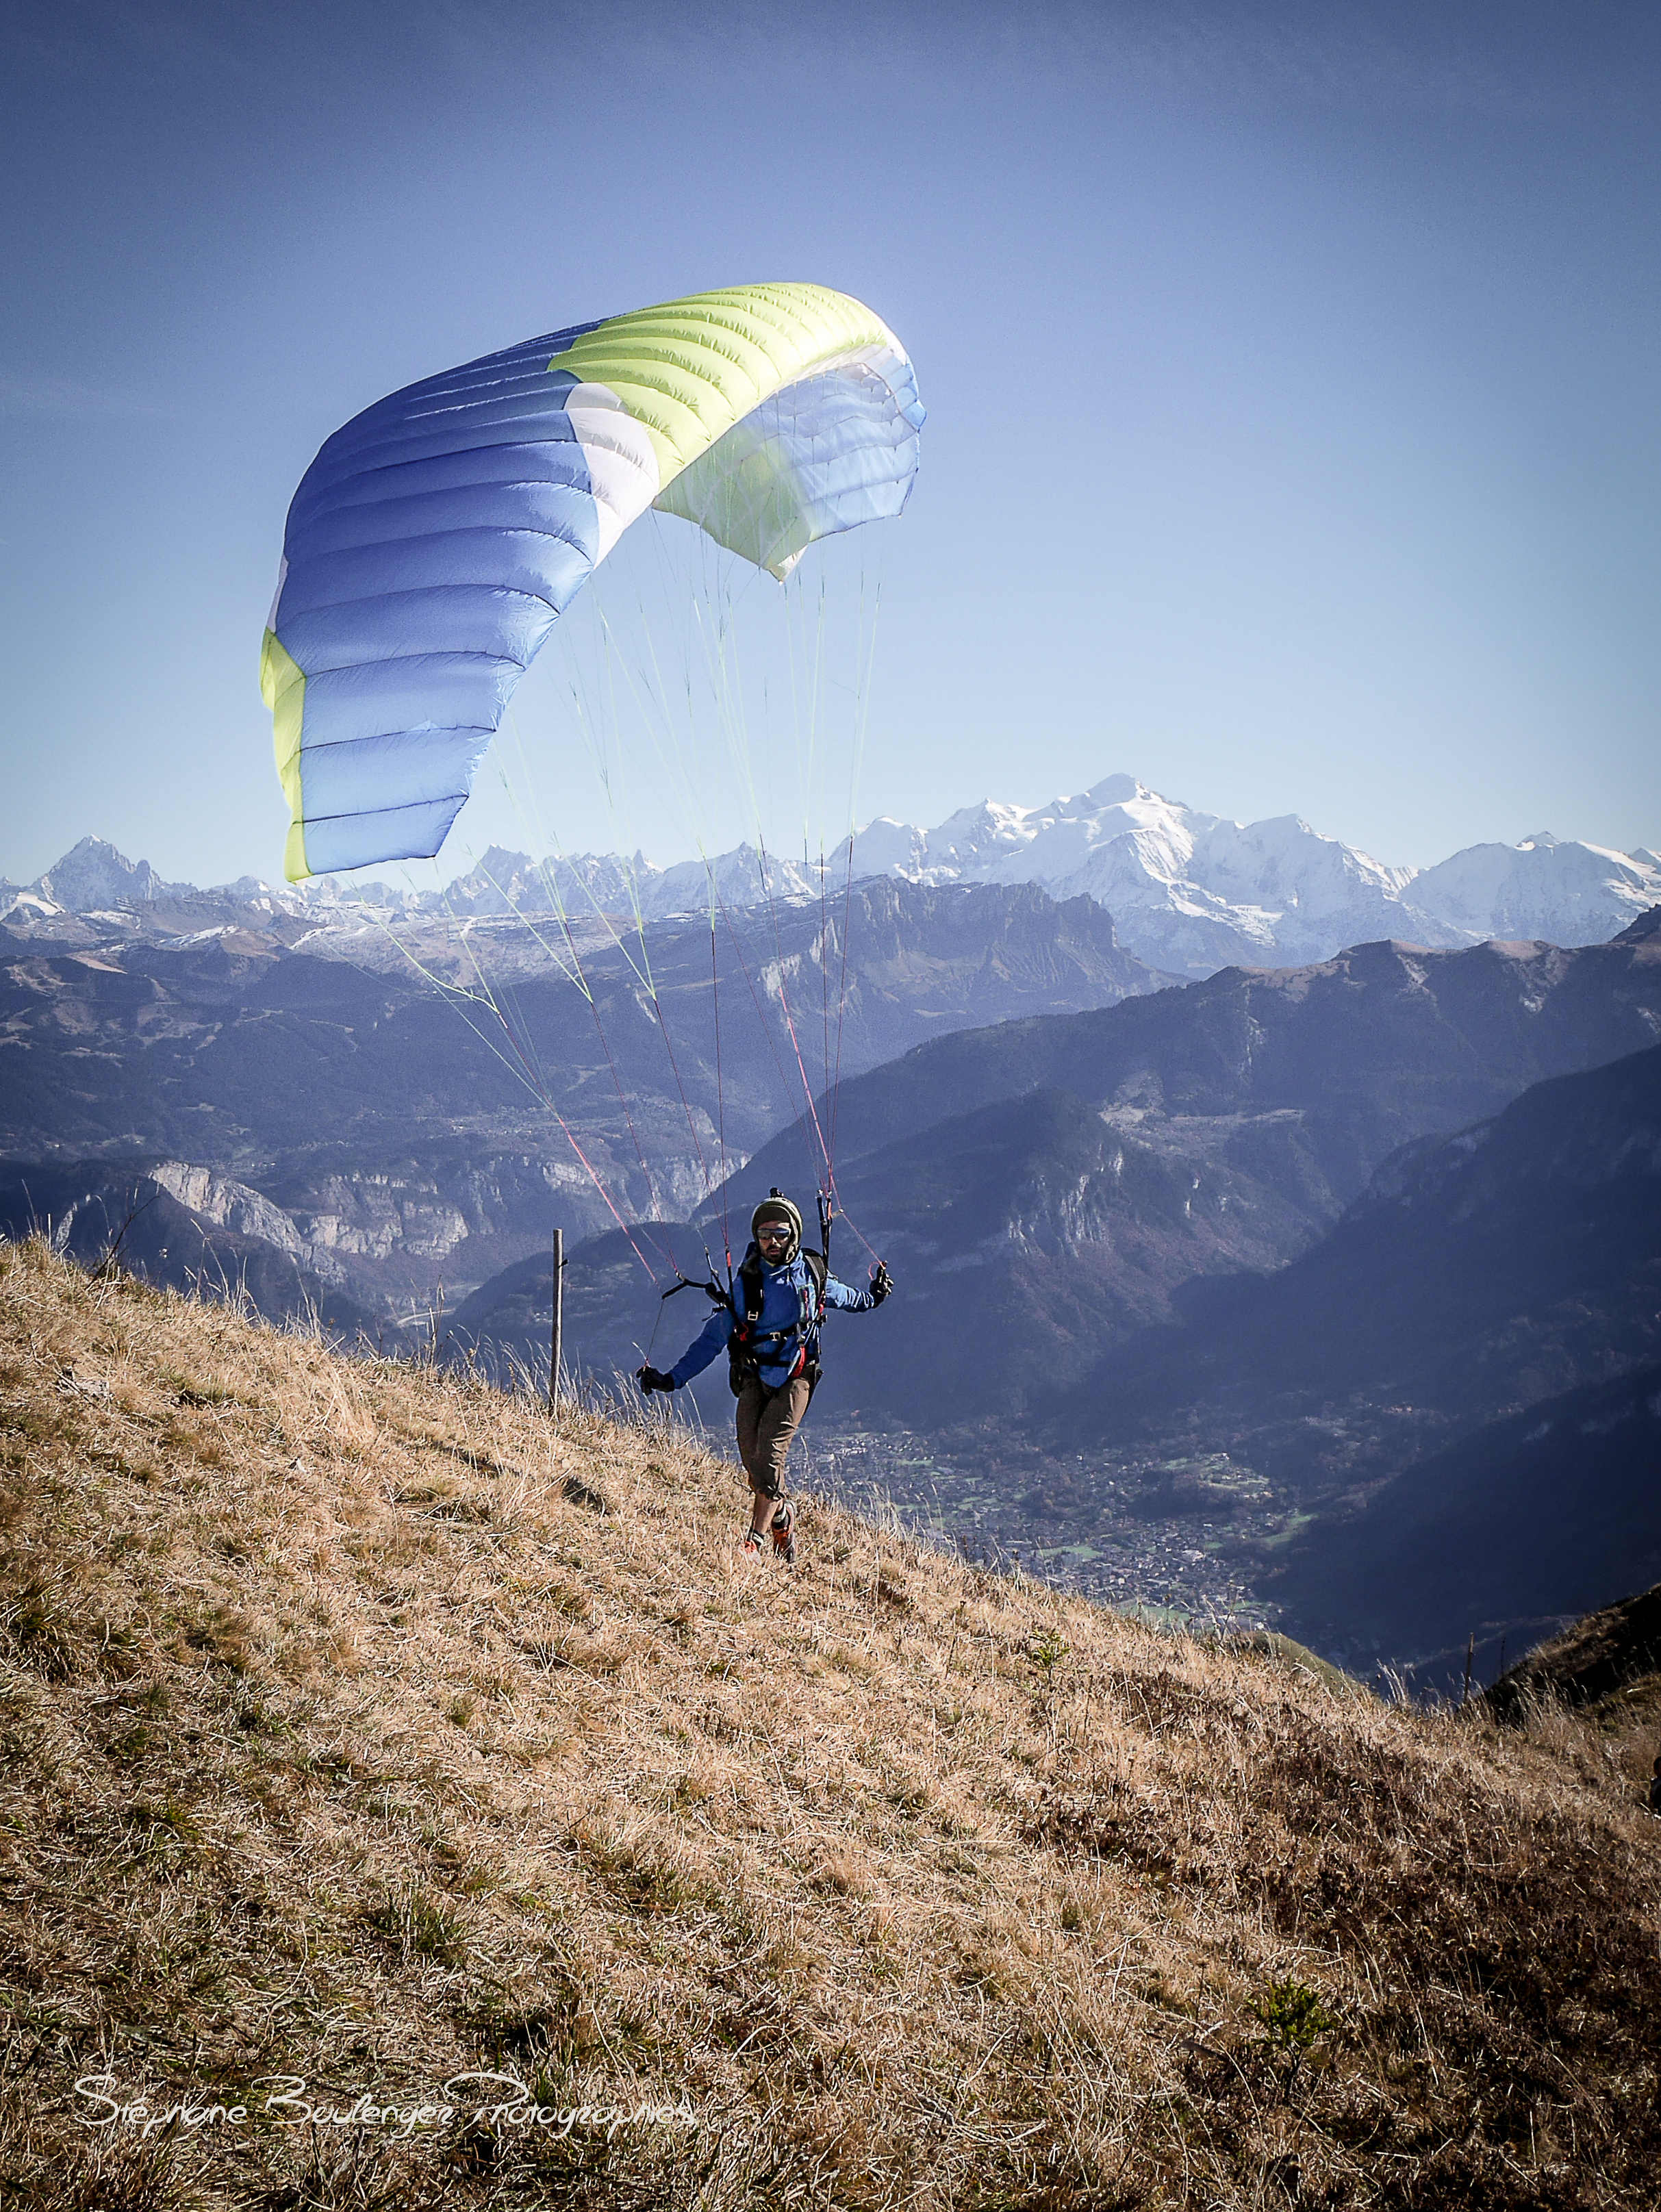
[1293,373]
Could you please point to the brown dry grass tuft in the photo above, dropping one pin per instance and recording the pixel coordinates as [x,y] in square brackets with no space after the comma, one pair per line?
[361,1725]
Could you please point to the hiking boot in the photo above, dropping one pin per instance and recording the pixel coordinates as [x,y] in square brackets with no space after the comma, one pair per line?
[784,1535]
[750,1548]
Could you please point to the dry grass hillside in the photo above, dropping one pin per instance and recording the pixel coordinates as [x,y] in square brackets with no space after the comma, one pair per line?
[365,1730]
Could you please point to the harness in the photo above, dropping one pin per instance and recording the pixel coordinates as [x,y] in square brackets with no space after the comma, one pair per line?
[750,1344]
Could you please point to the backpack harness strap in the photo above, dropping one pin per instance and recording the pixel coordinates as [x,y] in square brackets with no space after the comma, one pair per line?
[750,1345]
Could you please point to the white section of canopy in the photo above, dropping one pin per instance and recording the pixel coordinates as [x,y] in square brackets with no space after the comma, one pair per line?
[623,461]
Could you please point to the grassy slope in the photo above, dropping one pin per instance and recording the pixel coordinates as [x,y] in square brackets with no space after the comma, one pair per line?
[1607,1668]
[361,1725]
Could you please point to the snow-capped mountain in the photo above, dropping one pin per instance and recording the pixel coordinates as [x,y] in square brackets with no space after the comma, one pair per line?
[505,882]
[1570,893]
[1189,892]
[93,877]
[1194,893]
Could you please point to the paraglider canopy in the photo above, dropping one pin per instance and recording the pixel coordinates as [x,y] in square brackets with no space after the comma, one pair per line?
[439,535]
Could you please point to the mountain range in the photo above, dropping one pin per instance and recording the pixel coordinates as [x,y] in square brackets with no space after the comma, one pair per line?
[1194,892]
[1310,1269]
[1379,1239]
[1054,1188]
[411,1139]
[1190,892]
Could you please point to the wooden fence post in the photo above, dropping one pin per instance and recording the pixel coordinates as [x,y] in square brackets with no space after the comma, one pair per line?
[556,1330]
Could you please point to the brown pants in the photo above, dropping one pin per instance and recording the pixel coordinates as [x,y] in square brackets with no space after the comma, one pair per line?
[767,1421]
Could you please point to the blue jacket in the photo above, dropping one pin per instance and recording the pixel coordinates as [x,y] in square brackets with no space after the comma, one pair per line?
[787,1297]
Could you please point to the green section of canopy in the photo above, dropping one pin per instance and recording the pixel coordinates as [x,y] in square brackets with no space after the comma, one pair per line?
[282,686]
[691,368]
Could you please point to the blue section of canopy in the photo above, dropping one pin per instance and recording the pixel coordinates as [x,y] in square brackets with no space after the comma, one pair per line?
[823,455]
[459,509]
[852,443]
[400,833]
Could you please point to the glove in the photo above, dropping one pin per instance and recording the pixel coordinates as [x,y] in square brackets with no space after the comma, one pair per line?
[652,1378]
[881,1283]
